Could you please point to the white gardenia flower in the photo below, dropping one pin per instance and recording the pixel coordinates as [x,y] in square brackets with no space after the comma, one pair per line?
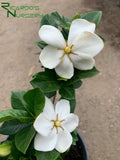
[53,127]
[82,45]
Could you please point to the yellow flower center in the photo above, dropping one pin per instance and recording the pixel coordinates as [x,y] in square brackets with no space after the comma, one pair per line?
[57,123]
[67,50]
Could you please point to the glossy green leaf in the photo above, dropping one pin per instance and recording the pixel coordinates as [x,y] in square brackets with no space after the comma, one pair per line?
[12,127]
[65,33]
[58,20]
[77,84]
[72,105]
[46,81]
[48,20]
[50,94]
[52,155]
[35,100]
[10,114]
[40,44]
[17,101]
[67,92]
[67,20]
[94,17]
[24,138]
[15,153]
[80,74]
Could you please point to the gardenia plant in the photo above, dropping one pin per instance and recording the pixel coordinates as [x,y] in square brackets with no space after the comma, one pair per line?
[40,128]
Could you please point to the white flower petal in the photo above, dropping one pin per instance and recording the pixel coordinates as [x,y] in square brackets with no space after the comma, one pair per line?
[64,141]
[77,27]
[42,125]
[50,57]
[49,109]
[62,108]
[65,68]
[42,143]
[82,61]
[88,43]
[52,36]
[70,123]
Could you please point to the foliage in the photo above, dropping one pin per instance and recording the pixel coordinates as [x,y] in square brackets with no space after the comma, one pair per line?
[27,105]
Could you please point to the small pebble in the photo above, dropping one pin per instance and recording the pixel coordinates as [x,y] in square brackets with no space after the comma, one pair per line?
[14,30]
[111,125]
[84,131]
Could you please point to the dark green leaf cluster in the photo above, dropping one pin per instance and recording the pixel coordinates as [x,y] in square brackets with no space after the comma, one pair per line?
[19,120]
[27,105]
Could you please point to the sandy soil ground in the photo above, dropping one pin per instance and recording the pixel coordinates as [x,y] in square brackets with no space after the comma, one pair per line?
[98,100]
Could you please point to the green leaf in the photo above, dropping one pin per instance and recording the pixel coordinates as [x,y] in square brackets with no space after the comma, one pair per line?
[75,138]
[40,44]
[15,153]
[104,40]
[62,79]
[72,105]
[59,158]
[77,84]
[35,100]
[65,33]
[76,16]
[12,127]
[94,17]
[80,74]
[58,20]
[17,101]
[67,92]
[46,81]
[10,114]
[52,155]
[48,20]
[24,138]
[67,20]
[50,94]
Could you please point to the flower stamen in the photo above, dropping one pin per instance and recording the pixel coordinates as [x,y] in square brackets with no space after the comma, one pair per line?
[62,128]
[69,58]
[57,123]
[74,53]
[67,50]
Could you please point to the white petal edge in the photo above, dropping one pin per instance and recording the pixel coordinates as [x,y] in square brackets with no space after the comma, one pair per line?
[48,110]
[50,57]
[42,125]
[88,43]
[65,68]
[82,61]
[64,141]
[52,36]
[71,122]
[77,27]
[62,108]
[42,143]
